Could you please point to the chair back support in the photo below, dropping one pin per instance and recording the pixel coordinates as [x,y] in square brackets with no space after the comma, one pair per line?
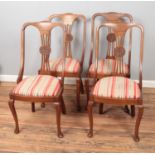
[116,18]
[45,28]
[68,19]
[117,37]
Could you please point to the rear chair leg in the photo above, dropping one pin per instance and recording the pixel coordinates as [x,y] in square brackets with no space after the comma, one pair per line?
[13,111]
[132,111]
[101,105]
[126,109]
[58,119]
[139,117]
[90,115]
[43,105]
[78,94]
[33,107]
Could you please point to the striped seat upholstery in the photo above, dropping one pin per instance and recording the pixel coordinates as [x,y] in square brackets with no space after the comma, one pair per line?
[38,86]
[107,67]
[71,65]
[117,87]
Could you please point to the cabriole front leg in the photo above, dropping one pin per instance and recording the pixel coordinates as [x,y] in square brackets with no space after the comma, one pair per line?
[13,111]
[138,120]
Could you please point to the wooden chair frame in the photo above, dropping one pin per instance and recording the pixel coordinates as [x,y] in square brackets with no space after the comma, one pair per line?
[115,17]
[138,102]
[68,19]
[45,28]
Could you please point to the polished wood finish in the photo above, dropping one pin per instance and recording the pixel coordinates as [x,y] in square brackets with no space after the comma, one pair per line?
[45,28]
[112,130]
[68,20]
[111,52]
[119,30]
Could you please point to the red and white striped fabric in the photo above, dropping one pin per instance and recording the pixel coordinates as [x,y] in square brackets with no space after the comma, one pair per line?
[107,67]
[71,65]
[117,87]
[38,86]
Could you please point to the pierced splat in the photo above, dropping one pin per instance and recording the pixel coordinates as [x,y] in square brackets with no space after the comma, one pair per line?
[119,52]
[118,49]
[45,29]
[45,50]
[115,39]
[69,38]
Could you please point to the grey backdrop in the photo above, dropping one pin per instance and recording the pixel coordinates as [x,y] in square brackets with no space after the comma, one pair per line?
[14,14]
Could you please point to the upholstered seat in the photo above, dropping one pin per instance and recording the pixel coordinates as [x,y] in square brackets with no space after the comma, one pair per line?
[71,65]
[117,87]
[38,86]
[107,67]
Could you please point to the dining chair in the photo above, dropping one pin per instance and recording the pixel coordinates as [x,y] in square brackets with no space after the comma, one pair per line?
[73,66]
[107,66]
[42,87]
[118,90]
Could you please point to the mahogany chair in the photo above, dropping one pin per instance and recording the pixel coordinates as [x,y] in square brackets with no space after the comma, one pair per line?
[118,90]
[73,67]
[42,87]
[107,66]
